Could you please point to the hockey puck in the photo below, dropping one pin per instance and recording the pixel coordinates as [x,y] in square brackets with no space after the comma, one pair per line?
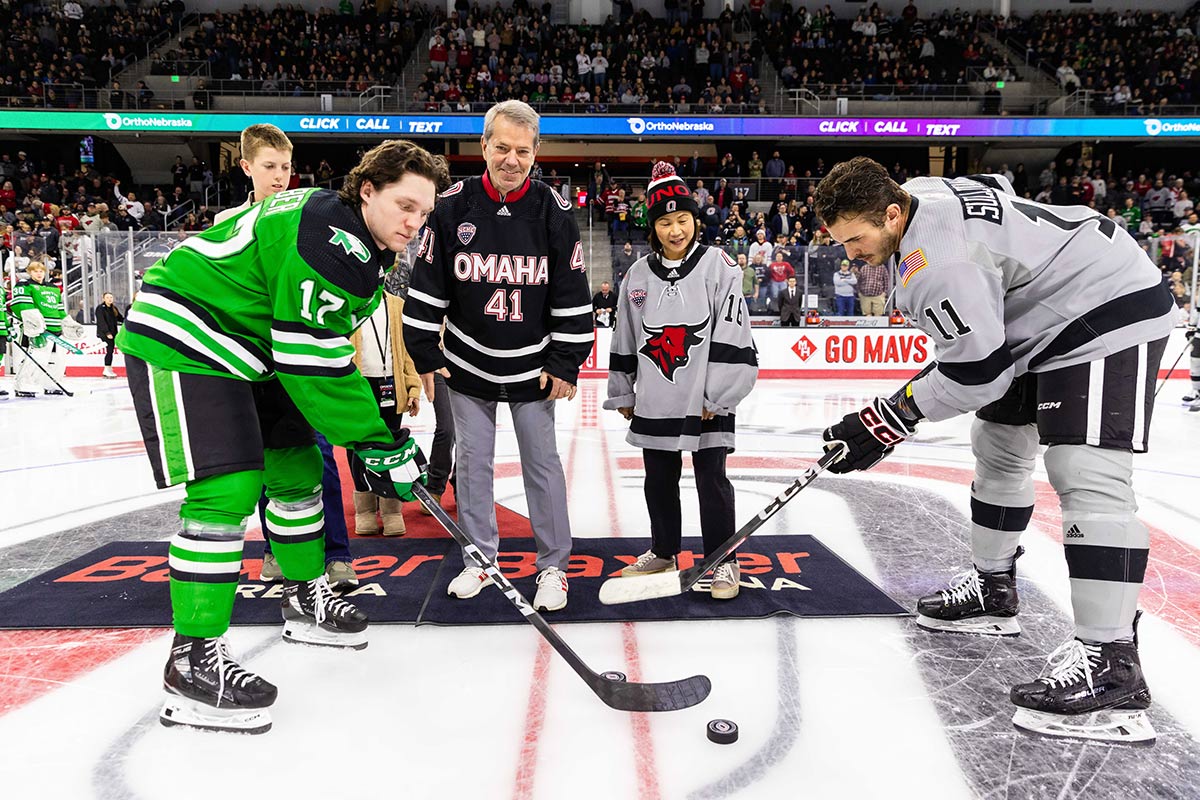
[614,676]
[722,731]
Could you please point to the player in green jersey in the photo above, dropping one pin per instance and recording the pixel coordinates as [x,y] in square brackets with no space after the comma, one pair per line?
[273,292]
[38,306]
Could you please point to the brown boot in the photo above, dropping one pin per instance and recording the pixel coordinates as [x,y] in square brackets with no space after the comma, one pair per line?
[437,498]
[366,521]
[392,512]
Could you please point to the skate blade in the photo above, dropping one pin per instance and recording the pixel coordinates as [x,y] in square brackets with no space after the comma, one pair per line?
[316,636]
[981,626]
[185,713]
[1113,726]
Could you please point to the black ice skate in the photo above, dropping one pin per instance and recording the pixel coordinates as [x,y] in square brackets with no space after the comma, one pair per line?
[975,602]
[313,614]
[1092,691]
[208,690]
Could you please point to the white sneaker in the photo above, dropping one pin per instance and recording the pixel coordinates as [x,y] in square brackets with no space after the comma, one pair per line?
[726,581]
[552,590]
[108,372]
[468,583]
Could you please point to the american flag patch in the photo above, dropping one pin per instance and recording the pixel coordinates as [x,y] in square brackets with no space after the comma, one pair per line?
[911,264]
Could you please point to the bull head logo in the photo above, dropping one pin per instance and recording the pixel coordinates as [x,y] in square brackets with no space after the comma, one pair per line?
[670,346]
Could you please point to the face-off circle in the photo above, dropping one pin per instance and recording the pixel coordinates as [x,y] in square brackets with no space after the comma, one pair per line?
[722,731]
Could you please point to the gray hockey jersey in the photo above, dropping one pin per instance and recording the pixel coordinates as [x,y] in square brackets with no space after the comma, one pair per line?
[682,345]
[1005,286]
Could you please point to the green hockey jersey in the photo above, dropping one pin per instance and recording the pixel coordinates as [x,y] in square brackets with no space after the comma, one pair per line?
[44,298]
[272,292]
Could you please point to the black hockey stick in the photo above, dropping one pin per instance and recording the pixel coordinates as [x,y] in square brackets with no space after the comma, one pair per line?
[37,364]
[1163,382]
[620,695]
[669,584]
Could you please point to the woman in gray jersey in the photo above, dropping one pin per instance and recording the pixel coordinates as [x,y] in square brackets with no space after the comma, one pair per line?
[1049,322]
[682,359]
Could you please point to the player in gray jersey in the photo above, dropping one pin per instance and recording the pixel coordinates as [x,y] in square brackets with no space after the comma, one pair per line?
[1049,322]
[1191,400]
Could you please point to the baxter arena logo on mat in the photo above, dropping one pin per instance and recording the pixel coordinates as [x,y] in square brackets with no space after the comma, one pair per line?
[804,348]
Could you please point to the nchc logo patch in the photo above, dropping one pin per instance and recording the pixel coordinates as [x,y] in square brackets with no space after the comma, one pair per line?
[350,243]
[670,347]
[637,297]
[466,232]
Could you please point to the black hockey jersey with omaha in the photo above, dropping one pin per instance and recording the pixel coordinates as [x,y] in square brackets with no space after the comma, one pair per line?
[508,278]
[682,345]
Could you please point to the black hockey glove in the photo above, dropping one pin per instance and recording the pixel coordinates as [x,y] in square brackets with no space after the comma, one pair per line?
[1190,333]
[870,435]
[390,470]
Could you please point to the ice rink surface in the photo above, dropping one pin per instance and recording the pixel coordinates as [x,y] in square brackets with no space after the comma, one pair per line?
[828,708]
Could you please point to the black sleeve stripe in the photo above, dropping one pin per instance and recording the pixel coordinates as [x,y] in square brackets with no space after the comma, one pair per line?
[208,319]
[981,372]
[316,372]
[1000,518]
[300,327]
[622,362]
[987,180]
[1097,563]
[1128,309]
[722,353]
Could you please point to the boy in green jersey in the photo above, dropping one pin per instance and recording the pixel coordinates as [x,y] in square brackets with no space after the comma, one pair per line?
[269,296]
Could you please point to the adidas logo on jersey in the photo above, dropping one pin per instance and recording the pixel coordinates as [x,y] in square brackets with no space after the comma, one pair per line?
[503,212]
[673,273]
[1074,533]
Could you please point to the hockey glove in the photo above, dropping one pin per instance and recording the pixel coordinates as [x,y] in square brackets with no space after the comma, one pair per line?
[390,470]
[1190,333]
[72,331]
[870,435]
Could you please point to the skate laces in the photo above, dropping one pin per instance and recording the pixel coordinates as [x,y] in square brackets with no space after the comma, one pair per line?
[962,586]
[325,602]
[1071,661]
[216,655]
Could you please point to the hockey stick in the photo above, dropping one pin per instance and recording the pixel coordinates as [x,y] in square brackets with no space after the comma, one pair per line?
[616,694]
[670,584]
[63,343]
[1163,382]
[37,364]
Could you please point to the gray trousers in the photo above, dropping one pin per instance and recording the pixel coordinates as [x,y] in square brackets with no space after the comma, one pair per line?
[541,470]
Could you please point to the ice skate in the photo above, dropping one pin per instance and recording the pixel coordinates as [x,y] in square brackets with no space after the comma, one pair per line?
[208,690]
[649,564]
[313,614]
[975,602]
[1093,691]
[109,373]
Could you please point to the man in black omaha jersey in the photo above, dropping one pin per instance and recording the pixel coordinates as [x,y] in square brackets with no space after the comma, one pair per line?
[501,265]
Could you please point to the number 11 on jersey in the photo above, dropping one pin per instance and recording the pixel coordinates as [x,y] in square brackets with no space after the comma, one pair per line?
[505,308]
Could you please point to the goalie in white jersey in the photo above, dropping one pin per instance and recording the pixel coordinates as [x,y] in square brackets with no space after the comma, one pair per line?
[1049,322]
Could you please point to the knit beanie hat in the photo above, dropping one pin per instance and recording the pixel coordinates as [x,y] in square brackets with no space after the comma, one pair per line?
[668,193]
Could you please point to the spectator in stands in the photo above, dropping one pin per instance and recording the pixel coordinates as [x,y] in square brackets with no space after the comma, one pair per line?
[779,270]
[873,286]
[622,261]
[790,302]
[763,280]
[200,96]
[1132,214]
[117,96]
[761,246]
[1183,206]
[604,306]
[844,289]
[782,223]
